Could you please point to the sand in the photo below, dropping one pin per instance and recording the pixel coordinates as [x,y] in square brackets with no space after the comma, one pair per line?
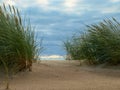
[65,75]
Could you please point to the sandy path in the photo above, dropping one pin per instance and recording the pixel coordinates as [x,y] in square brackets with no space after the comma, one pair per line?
[65,75]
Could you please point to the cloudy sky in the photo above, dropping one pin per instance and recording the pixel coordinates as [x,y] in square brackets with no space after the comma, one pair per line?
[56,20]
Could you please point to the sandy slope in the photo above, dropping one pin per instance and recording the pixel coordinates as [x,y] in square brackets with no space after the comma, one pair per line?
[65,75]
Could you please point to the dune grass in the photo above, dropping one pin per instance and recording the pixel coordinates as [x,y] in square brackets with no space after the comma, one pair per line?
[18,47]
[100,44]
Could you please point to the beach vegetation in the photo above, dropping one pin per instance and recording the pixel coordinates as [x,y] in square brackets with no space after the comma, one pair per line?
[99,44]
[18,47]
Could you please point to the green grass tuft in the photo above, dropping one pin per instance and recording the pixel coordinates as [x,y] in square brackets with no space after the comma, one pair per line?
[18,47]
[100,44]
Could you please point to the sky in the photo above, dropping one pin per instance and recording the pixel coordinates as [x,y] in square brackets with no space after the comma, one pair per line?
[57,20]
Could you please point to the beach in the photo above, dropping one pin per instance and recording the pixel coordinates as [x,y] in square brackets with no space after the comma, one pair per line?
[65,75]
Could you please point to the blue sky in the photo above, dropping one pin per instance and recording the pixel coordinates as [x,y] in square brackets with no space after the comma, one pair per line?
[56,20]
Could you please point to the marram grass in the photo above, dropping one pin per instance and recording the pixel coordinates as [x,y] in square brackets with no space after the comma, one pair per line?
[18,47]
[100,44]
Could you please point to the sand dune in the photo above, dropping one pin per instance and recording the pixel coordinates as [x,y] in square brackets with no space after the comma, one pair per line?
[65,75]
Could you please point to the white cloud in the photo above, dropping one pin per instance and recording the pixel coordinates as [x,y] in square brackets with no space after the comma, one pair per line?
[77,7]
[70,5]
[114,1]
[20,3]
[9,2]
[43,2]
[65,6]
[27,3]
[52,57]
